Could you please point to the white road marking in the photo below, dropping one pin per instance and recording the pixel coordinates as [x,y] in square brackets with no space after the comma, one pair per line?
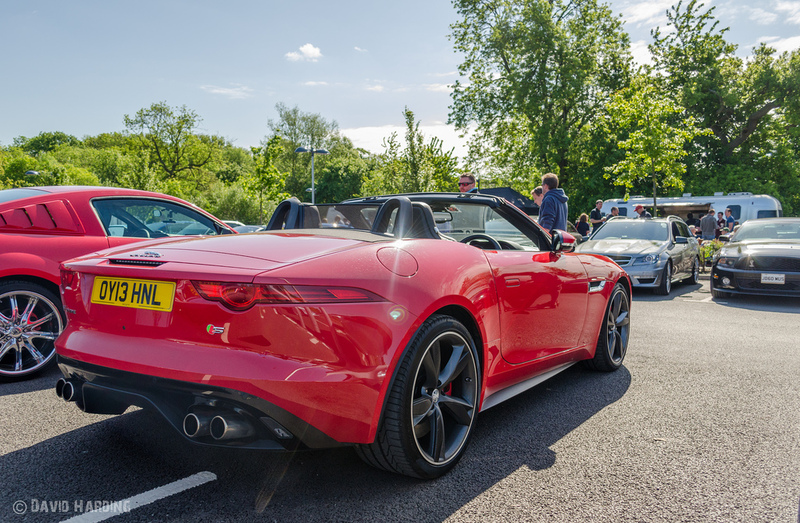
[145,498]
[706,300]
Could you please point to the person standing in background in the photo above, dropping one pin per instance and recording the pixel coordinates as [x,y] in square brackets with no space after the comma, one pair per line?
[583,225]
[553,211]
[537,195]
[596,216]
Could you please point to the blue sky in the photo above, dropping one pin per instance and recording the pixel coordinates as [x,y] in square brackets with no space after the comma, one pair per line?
[80,66]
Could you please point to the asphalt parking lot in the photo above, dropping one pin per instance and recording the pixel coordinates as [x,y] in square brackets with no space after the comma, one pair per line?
[701,424]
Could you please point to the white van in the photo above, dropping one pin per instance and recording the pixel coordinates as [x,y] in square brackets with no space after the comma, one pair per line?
[743,205]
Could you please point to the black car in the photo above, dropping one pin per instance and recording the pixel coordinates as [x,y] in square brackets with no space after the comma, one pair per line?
[762,257]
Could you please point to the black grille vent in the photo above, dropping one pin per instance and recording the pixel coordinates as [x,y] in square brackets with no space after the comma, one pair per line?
[141,263]
[769,263]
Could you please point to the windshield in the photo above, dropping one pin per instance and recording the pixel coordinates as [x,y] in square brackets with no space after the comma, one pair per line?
[633,230]
[753,230]
[455,220]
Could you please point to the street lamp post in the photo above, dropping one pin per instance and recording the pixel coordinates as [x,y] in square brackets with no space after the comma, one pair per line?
[313,152]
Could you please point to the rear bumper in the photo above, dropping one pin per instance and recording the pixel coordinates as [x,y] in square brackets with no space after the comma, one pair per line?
[104,390]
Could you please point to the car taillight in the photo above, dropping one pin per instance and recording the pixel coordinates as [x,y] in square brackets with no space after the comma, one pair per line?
[68,278]
[242,296]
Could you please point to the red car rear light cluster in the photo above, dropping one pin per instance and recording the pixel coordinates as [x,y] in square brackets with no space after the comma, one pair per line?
[242,296]
[68,278]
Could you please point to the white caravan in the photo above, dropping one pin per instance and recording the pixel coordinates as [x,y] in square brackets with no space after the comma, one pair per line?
[743,205]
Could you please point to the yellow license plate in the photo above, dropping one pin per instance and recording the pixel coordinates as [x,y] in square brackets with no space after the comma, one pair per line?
[136,294]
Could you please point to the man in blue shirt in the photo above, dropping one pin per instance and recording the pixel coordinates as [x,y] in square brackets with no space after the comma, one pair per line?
[553,211]
[730,222]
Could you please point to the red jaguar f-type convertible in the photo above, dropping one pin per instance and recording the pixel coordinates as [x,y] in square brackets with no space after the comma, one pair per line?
[387,323]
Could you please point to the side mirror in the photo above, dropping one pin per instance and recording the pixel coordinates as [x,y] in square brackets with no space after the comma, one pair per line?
[725,238]
[562,241]
[681,239]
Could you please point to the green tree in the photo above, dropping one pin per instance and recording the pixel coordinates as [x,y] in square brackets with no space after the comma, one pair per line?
[730,96]
[539,71]
[657,134]
[418,167]
[300,129]
[45,142]
[266,183]
[168,133]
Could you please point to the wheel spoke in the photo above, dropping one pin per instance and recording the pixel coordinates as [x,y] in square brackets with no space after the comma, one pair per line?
[32,301]
[44,335]
[431,364]
[36,323]
[455,365]
[7,346]
[616,305]
[420,408]
[18,362]
[12,302]
[622,320]
[458,408]
[437,436]
[33,352]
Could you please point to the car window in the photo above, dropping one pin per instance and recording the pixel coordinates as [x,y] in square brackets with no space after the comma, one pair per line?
[150,218]
[752,230]
[683,229]
[633,230]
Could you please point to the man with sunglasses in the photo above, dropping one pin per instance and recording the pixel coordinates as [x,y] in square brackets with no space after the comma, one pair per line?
[467,183]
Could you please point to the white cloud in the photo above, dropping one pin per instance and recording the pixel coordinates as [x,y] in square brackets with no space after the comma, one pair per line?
[647,13]
[762,17]
[641,54]
[438,88]
[360,50]
[371,138]
[375,88]
[238,92]
[315,84]
[782,44]
[307,53]
[792,10]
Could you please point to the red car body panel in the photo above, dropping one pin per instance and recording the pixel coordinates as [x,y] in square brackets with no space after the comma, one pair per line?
[59,223]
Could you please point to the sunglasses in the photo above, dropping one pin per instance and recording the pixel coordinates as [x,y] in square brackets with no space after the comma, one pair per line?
[461,184]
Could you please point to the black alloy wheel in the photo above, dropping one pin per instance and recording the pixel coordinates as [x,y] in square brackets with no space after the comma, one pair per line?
[612,344]
[30,321]
[432,405]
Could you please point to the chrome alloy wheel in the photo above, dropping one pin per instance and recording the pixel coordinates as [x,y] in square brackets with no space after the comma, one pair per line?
[29,324]
[445,395]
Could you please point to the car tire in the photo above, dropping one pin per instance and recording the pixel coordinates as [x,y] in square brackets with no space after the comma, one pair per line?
[666,281]
[612,344]
[694,277]
[31,318]
[432,404]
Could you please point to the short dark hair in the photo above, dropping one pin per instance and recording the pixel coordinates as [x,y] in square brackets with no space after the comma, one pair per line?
[550,180]
[537,190]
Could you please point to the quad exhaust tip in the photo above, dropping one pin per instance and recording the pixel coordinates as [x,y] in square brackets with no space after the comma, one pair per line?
[230,427]
[67,390]
[220,425]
